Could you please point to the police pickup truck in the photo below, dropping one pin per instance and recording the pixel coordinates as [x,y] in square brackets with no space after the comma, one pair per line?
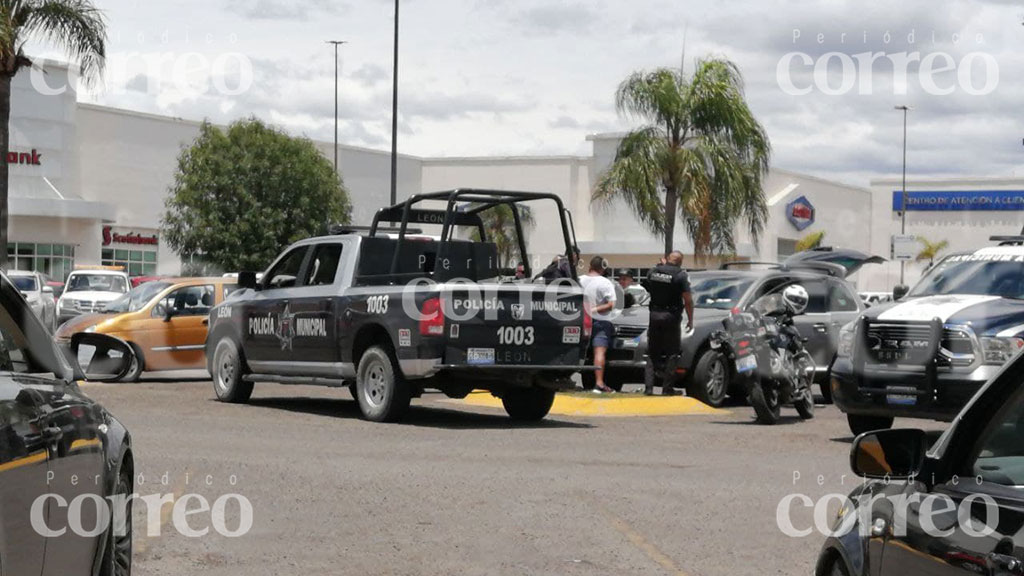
[926,355]
[392,314]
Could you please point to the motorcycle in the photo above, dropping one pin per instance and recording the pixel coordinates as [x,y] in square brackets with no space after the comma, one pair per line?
[770,359]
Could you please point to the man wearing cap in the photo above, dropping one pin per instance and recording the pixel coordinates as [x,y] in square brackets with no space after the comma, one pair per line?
[599,298]
[669,287]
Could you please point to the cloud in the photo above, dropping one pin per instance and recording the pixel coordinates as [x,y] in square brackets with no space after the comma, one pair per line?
[284,9]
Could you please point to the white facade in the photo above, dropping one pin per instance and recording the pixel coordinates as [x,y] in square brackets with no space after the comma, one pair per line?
[88,186]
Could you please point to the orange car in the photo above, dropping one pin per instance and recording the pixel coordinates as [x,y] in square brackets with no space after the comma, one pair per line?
[165,321]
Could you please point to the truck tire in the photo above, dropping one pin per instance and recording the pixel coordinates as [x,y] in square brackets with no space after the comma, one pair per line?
[228,374]
[860,424]
[528,404]
[710,380]
[381,390]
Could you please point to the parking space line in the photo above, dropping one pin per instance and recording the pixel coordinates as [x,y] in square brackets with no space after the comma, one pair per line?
[639,541]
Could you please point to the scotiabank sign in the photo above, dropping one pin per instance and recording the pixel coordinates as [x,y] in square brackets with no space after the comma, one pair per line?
[33,158]
[134,238]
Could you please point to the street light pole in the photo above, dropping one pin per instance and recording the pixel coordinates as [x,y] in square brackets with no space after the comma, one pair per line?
[336,43]
[903,204]
[394,120]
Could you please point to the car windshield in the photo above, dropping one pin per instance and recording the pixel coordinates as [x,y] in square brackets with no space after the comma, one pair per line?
[25,283]
[97,283]
[973,274]
[720,291]
[137,298]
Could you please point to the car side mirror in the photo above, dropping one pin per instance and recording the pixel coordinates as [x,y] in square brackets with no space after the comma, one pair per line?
[889,454]
[48,290]
[899,291]
[169,313]
[248,280]
[101,358]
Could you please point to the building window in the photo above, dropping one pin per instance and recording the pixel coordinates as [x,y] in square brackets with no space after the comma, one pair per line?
[54,260]
[135,262]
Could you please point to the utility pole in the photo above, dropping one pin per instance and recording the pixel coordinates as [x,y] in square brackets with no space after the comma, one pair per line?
[394,120]
[336,43]
[903,205]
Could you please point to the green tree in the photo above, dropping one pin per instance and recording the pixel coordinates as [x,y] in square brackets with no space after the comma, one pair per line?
[930,250]
[810,241]
[242,194]
[500,227]
[75,26]
[701,156]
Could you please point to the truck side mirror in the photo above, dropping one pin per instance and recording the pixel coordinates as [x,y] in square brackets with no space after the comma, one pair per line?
[899,291]
[248,280]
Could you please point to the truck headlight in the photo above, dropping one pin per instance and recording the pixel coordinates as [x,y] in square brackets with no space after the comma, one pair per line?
[998,351]
[846,336]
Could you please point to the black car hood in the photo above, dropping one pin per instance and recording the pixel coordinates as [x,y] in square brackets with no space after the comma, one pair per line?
[986,315]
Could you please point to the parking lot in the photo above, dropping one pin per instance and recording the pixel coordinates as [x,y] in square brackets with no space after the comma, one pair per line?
[459,489]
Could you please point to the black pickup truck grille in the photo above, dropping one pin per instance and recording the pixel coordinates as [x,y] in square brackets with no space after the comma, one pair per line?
[630,331]
[910,343]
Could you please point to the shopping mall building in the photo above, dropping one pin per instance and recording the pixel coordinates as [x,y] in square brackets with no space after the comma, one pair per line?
[88,185]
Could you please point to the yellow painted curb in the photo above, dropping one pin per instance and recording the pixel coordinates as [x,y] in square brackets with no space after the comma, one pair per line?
[586,404]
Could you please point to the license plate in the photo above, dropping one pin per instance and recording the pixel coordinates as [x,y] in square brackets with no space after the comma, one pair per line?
[480,356]
[746,363]
[901,396]
[627,343]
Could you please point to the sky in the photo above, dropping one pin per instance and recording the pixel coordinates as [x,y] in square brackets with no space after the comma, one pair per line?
[535,77]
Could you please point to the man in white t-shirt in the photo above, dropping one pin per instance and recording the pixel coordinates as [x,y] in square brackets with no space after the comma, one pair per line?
[599,299]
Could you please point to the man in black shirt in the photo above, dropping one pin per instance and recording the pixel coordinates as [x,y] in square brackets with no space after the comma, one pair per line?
[669,287]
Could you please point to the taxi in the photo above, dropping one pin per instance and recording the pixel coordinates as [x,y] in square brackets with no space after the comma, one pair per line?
[165,321]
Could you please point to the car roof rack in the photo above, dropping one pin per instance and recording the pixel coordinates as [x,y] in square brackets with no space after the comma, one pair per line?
[738,263]
[1008,240]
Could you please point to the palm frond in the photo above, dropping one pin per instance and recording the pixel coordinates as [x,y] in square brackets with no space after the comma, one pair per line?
[636,178]
[76,26]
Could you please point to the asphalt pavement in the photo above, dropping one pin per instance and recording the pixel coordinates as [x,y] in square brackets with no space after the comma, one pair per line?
[459,489]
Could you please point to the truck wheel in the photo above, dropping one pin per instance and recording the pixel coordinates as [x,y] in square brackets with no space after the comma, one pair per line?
[381,390]
[529,404]
[228,381]
[710,380]
[860,424]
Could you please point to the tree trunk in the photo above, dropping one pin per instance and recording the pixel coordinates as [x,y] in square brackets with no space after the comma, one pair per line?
[671,207]
[5,142]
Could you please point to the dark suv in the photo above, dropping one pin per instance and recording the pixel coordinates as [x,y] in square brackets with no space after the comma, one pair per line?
[704,372]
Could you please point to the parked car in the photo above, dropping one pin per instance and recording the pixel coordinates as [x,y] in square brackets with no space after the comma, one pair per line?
[89,290]
[704,372]
[39,295]
[56,441]
[927,354]
[164,321]
[914,515]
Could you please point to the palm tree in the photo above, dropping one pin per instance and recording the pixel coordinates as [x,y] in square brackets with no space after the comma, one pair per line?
[75,26]
[930,250]
[810,241]
[500,227]
[701,156]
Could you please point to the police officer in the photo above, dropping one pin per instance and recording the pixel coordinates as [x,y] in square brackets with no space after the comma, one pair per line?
[669,287]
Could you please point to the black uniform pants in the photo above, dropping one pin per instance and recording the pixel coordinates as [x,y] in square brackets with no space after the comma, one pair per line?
[664,334]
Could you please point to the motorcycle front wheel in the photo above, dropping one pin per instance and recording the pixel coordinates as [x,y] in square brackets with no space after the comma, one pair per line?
[804,401]
[766,404]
